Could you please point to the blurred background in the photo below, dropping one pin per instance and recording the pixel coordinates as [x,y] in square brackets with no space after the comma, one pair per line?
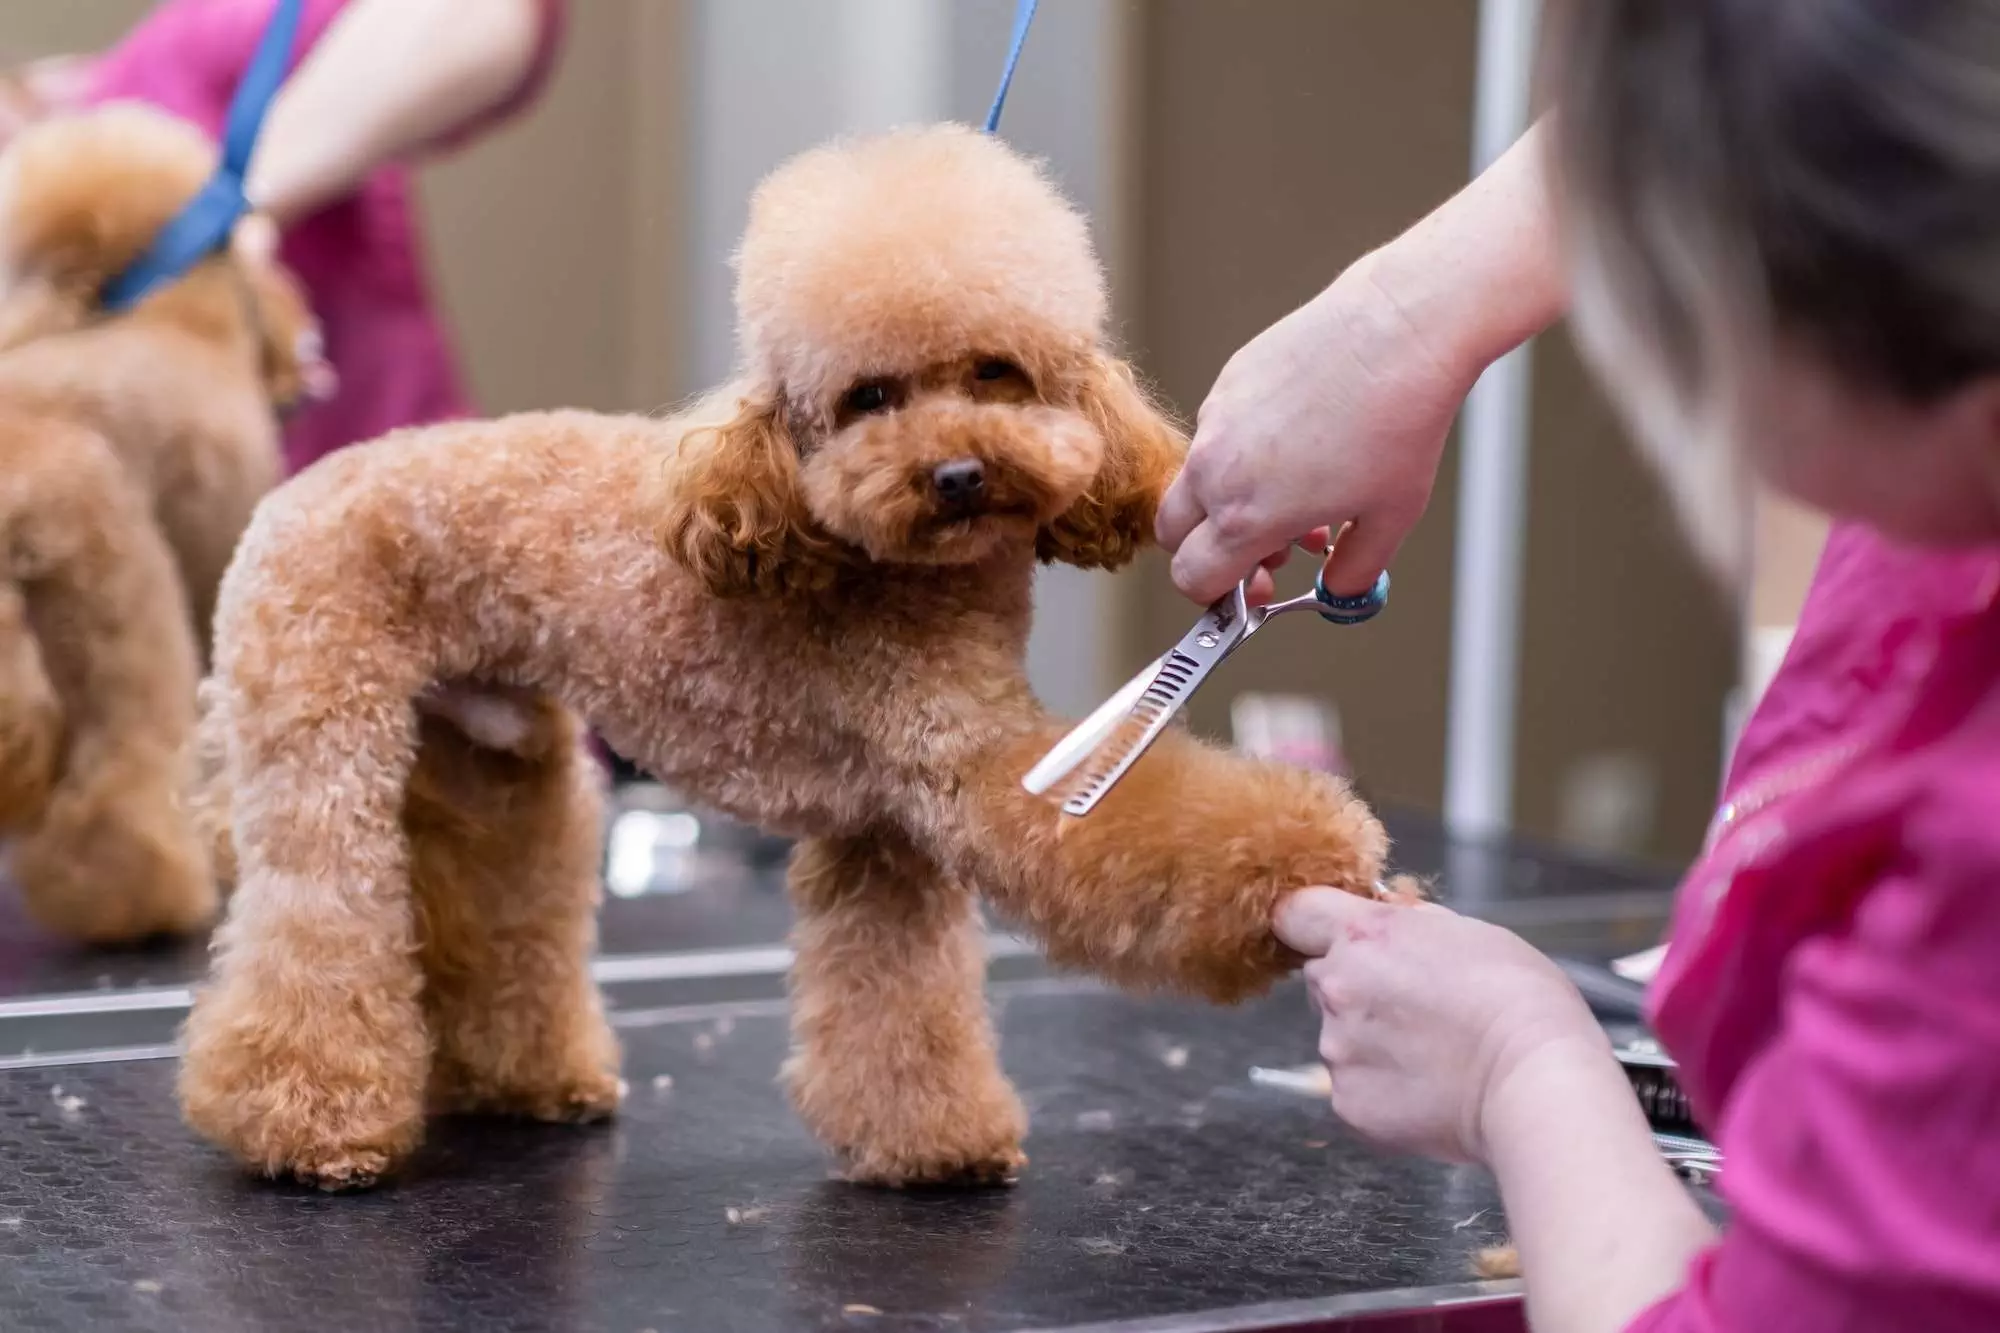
[1234,157]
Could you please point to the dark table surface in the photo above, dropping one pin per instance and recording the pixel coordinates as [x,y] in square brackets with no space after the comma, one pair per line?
[1169,1190]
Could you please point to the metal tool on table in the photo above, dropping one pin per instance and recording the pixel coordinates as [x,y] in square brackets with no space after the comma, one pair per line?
[1679,1138]
[1090,760]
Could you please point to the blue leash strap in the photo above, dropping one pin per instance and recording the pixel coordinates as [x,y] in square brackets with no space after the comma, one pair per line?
[204,225]
[1024,15]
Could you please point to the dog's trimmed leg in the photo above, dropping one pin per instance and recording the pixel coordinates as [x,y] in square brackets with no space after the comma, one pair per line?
[106,855]
[1171,881]
[506,848]
[893,1060]
[307,1052]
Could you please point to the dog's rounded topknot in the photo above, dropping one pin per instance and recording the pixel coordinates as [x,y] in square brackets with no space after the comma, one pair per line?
[81,196]
[882,254]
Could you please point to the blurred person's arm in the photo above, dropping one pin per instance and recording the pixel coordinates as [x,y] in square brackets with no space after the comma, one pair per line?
[388,78]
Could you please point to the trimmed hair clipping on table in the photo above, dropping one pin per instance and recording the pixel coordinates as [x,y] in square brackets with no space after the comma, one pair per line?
[1086,764]
[204,226]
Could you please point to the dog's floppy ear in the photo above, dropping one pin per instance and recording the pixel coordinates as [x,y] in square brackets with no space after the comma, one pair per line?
[1143,451]
[735,515]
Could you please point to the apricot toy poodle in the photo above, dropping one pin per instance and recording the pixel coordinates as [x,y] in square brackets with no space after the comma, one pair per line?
[132,450]
[804,602]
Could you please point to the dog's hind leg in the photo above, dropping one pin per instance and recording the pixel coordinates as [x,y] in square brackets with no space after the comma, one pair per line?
[106,855]
[30,718]
[306,1052]
[893,1060]
[506,847]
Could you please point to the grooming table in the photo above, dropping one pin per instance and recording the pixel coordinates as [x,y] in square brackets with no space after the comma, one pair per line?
[1169,1192]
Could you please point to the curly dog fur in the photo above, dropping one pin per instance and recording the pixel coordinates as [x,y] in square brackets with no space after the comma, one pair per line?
[804,601]
[132,451]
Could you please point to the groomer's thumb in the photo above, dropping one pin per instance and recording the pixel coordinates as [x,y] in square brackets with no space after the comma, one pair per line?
[1205,566]
[1310,920]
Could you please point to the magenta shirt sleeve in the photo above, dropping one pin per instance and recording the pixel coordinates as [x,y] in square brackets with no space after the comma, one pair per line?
[185,57]
[1863,1146]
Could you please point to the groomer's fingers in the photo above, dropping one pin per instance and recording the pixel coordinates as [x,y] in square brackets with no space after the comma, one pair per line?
[1178,514]
[1207,566]
[1366,549]
[1312,921]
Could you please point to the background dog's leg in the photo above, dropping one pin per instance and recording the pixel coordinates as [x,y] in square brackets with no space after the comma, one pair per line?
[30,718]
[307,1052]
[505,853]
[202,524]
[108,857]
[1171,881]
[893,1062]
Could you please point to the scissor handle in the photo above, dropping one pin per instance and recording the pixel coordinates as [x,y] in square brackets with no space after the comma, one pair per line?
[1354,609]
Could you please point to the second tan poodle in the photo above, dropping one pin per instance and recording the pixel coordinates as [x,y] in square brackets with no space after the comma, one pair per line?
[132,451]
[804,602]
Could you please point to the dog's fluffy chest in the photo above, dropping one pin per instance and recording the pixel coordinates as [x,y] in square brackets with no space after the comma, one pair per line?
[810,716]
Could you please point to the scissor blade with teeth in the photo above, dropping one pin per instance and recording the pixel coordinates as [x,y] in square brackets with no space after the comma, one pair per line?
[1178,675]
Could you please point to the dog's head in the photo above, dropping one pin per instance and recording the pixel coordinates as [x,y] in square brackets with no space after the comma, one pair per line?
[83,195]
[926,379]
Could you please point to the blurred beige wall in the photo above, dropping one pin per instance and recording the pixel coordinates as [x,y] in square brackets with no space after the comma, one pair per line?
[557,242]
[33,28]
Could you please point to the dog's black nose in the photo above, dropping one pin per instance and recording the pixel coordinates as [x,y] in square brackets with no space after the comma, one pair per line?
[961,483]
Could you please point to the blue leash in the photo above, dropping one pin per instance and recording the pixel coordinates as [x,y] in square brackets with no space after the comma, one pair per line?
[1024,15]
[203,226]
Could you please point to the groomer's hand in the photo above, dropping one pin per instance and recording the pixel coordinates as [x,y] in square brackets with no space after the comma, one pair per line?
[1426,1016]
[1337,413]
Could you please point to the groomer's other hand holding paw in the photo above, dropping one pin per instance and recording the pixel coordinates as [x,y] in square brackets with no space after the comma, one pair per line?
[1336,413]
[1426,1015]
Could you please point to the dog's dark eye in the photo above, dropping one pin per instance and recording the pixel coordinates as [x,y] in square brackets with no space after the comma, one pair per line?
[863,399]
[993,368]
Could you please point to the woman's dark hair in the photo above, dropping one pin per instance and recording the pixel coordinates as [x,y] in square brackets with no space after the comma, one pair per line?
[1821,172]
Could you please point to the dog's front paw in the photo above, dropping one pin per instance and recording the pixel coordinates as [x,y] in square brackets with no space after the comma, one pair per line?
[339,1170]
[580,1101]
[934,1126]
[913,1165]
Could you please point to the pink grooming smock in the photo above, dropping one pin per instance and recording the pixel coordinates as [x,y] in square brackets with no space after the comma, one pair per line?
[1832,990]
[361,258]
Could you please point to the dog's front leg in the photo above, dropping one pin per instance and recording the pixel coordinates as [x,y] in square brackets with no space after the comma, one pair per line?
[893,1060]
[1170,883]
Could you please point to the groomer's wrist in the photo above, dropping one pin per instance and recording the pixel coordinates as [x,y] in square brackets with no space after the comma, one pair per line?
[1390,303]
[1482,273]
[1546,1083]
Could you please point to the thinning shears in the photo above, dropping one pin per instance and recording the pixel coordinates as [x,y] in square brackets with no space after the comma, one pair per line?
[1089,761]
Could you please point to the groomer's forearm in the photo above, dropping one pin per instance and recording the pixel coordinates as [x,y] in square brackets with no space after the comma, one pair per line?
[1603,1228]
[388,77]
[1482,273]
